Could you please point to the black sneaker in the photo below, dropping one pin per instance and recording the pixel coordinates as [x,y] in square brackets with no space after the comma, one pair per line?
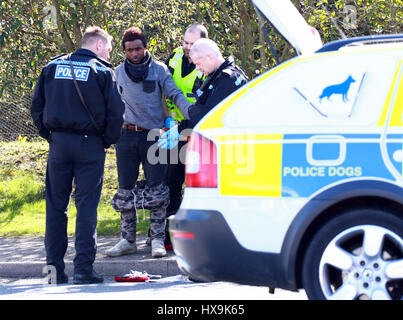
[87,278]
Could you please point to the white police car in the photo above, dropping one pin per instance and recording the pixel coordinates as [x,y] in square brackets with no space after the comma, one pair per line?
[296,180]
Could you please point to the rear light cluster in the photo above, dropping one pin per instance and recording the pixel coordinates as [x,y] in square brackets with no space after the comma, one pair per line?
[201,162]
[183,235]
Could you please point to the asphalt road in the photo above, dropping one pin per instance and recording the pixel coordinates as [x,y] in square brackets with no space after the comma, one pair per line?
[168,288]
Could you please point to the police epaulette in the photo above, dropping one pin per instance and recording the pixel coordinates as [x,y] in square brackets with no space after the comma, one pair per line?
[228,71]
[56,57]
[235,72]
[104,62]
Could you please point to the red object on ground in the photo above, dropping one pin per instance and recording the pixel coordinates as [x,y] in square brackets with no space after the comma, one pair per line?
[132,278]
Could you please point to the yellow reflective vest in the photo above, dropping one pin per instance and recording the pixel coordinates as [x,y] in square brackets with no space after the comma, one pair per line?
[185,84]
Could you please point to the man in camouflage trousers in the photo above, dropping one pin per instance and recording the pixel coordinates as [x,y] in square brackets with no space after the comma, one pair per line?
[143,81]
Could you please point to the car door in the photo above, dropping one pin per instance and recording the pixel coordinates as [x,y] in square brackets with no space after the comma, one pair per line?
[392,123]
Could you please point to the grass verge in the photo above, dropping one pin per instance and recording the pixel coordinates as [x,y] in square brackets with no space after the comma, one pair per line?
[22,192]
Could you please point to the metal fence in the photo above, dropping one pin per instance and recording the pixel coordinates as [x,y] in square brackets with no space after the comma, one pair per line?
[15,117]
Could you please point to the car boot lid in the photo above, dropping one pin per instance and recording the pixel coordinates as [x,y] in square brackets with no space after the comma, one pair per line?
[287,20]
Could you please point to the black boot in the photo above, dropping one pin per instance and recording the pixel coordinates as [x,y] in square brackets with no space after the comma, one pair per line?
[61,276]
[87,278]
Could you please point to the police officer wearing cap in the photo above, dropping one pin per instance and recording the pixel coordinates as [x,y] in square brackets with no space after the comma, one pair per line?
[77,107]
[189,80]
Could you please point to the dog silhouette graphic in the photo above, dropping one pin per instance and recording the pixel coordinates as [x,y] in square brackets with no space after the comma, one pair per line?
[341,88]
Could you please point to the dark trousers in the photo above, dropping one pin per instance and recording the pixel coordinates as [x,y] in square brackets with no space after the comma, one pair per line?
[132,150]
[174,179]
[175,176]
[77,159]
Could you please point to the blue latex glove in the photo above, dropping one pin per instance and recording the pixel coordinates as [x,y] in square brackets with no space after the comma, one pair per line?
[169,122]
[169,139]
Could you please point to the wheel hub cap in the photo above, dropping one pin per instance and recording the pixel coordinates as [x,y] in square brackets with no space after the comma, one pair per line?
[364,272]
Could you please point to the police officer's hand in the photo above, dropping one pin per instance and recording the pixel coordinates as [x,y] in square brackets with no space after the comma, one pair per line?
[169,139]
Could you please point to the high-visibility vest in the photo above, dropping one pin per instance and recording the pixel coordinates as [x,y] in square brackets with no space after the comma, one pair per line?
[185,84]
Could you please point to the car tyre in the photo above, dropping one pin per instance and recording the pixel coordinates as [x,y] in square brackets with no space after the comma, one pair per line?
[356,255]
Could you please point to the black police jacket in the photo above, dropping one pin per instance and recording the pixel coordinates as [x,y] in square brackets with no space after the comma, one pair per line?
[56,105]
[217,86]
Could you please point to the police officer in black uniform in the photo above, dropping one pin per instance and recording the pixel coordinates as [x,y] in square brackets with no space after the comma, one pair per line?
[77,107]
[223,77]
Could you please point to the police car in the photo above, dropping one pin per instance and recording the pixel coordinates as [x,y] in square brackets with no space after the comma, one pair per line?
[296,180]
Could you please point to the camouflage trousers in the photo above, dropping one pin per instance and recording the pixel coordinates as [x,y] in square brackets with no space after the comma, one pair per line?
[128,220]
[155,199]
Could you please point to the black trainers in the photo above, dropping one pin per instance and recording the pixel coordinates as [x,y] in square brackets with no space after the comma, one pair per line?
[87,278]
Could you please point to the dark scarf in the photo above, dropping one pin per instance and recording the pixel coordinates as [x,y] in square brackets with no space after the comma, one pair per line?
[138,72]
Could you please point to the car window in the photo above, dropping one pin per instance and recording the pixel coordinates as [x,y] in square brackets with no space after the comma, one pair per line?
[329,91]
